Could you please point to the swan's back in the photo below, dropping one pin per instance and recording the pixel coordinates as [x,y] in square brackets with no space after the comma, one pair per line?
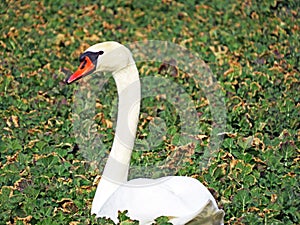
[179,198]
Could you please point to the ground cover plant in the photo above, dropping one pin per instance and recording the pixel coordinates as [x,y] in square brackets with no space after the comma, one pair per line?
[252,48]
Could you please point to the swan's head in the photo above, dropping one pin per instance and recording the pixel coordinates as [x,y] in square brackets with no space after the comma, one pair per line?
[106,56]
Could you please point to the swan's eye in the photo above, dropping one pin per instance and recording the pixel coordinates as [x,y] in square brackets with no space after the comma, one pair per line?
[101,52]
[81,58]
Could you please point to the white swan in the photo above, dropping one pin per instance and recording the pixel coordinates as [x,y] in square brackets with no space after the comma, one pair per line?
[184,200]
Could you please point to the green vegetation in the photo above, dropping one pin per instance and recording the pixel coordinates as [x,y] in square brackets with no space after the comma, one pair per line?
[253,49]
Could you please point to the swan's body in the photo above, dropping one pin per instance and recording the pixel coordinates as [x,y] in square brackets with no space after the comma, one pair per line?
[182,199]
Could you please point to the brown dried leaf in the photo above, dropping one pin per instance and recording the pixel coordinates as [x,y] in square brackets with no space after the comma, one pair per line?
[201,136]
[74,223]
[233,163]
[273,198]
[12,121]
[25,220]
[96,180]
[108,123]
[253,209]
[64,200]
[69,207]
[227,155]
[12,158]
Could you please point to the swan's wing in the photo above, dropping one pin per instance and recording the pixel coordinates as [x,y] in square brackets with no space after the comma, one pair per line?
[148,199]
[179,198]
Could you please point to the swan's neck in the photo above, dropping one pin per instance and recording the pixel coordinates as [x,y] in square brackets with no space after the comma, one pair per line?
[116,169]
[128,86]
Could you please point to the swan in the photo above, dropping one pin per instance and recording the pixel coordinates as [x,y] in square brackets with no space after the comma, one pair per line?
[183,200]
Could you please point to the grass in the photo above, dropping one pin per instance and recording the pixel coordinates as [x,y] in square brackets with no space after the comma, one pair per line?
[252,48]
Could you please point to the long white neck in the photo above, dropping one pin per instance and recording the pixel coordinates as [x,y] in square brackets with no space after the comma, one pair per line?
[128,86]
[116,169]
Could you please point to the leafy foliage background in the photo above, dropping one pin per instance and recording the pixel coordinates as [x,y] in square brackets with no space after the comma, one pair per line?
[252,47]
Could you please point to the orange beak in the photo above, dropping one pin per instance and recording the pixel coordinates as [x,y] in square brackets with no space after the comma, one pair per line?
[86,67]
